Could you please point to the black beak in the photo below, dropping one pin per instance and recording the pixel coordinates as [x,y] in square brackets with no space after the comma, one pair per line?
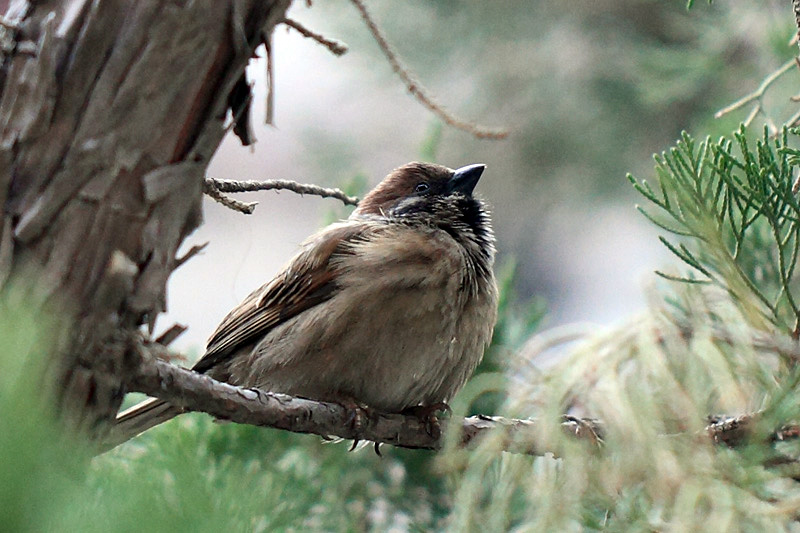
[465,179]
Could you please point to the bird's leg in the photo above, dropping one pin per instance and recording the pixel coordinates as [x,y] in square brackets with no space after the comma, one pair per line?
[427,414]
[357,413]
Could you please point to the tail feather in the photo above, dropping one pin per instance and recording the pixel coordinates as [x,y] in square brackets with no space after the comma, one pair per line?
[139,419]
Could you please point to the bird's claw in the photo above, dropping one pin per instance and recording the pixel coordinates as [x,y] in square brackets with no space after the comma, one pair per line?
[357,415]
[427,414]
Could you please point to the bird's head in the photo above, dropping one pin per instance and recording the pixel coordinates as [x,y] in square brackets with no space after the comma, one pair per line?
[432,195]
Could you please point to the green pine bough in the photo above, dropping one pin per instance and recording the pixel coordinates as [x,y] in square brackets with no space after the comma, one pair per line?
[730,208]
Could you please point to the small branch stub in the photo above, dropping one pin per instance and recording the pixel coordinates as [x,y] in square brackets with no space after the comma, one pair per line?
[336,47]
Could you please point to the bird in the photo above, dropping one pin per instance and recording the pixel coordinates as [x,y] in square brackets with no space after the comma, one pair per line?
[391,309]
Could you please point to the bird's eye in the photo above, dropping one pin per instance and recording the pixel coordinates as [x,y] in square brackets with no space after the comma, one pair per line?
[422,187]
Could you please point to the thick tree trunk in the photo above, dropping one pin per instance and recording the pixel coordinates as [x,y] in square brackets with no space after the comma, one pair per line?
[109,113]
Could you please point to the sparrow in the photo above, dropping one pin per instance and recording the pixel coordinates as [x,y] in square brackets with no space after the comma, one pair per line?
[390,309]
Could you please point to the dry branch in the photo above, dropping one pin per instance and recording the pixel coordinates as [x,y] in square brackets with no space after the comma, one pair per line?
[192,391]
[336,47]
[415,88]
[193,251]
[198,392]
[796,6]
[230,186]
[757,95]
[215,194]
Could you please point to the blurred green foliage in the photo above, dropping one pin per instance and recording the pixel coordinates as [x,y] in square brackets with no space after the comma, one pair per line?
[38,464]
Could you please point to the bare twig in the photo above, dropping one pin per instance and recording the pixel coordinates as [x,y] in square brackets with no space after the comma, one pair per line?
[336,47]
[758,93]
[416,89]
[229,186]
[752,115]
[193,251]
[796,6]
[211,190]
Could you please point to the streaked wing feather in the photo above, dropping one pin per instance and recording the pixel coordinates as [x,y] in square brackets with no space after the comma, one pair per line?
[306,282]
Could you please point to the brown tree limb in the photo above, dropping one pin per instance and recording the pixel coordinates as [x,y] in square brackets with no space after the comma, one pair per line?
[197,392]
[193,251]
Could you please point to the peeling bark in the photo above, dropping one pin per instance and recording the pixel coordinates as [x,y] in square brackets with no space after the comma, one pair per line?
[110,111]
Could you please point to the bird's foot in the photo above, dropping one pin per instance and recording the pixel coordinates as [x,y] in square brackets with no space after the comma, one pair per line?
[427,415]
[357,415]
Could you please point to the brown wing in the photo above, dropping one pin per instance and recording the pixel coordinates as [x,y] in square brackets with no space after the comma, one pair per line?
[307,281]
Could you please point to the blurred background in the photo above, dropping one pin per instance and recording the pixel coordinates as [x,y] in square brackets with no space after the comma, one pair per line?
[589,89]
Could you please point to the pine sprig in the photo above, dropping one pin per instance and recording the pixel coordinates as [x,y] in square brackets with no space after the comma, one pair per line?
[731,206]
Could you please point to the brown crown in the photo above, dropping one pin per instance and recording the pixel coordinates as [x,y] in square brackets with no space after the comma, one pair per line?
[401,182]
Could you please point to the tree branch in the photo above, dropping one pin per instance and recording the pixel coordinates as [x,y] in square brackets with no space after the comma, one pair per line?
[214,193]
[336,47]
[416,89]
[796,7]
[229,186]
[192,391]
[758,94]
[197,392]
